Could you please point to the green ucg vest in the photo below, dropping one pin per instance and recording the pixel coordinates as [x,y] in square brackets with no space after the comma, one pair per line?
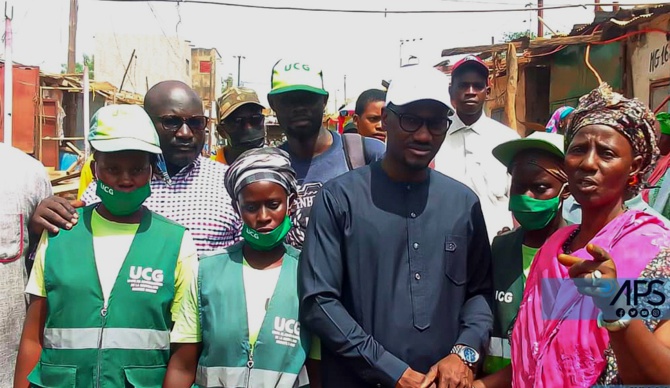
[508,285]
[227,359]
[125,343]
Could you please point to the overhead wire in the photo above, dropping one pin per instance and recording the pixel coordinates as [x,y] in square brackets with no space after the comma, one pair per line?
[385,11]
[160,25]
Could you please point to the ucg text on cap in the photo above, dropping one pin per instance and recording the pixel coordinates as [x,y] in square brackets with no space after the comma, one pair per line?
[289,76]
[418,83]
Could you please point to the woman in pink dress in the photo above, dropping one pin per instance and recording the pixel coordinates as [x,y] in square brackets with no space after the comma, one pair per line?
[610,148]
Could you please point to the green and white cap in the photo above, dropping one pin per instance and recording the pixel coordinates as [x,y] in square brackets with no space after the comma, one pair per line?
[123,128]
[289,76]
[543,141]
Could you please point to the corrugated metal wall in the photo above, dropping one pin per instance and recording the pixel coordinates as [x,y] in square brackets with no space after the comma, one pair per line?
[25,93]
[571,78]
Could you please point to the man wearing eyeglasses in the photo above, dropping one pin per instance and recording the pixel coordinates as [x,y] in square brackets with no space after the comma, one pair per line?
[192,193]
[395,273]
[241,121]
[467,153]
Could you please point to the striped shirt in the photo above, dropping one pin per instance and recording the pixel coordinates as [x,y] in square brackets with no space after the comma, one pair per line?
[196,199]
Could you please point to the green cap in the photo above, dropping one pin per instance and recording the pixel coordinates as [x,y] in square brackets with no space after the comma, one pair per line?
[663,119]
[123,128]
[543,141]
[289,76]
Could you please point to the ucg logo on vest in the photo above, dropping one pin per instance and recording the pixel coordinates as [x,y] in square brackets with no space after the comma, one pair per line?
[145,279]
[505,297]
[286,331]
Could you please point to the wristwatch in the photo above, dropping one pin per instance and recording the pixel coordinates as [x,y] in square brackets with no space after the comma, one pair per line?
[617,325]
[468,355]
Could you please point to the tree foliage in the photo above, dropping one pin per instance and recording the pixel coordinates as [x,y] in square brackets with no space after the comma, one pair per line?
[227,83]
[79,67]
[510,36]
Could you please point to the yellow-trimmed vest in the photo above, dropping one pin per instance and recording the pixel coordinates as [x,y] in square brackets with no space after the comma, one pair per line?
[508,285]
[227,360]
[125,342]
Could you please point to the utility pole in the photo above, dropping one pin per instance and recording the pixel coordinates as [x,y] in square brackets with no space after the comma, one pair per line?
[239,67]
[9,77]
[540,16]
[72,42]
[70,99]
[345,88]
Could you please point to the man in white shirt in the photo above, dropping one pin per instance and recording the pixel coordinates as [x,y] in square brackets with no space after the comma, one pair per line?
[466,154]
[24,184]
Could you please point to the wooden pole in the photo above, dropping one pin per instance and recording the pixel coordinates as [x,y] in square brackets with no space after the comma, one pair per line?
[72,41]
[540,15]
[512,80]
[125,73]
[86,108]
[70,99]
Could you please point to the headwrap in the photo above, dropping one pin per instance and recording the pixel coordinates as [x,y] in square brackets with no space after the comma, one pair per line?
[555,121]
[260,164]
[629,117]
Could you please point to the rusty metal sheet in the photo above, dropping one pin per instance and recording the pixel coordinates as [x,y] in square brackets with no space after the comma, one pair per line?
[25,96]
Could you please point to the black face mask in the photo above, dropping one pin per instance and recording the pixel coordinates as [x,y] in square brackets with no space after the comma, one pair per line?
[247,139]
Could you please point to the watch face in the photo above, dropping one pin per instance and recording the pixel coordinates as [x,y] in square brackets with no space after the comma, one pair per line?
[470,355]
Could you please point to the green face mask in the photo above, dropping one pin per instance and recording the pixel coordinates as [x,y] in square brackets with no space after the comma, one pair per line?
[121,203]
[269,240]
[534,214]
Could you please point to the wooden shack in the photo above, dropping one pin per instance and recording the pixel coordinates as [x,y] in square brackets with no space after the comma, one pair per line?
[629,49]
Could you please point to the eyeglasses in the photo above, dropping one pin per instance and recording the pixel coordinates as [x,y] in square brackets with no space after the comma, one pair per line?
[253,120]
[173,123]
[411,123]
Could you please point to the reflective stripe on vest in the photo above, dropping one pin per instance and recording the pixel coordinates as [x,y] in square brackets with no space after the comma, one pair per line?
[499,347]
[112,338]
[244,377]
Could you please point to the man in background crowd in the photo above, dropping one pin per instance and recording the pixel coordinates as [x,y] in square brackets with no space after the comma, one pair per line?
[192,192]
[317,155]
[466,153]
[368,114]
[241,121]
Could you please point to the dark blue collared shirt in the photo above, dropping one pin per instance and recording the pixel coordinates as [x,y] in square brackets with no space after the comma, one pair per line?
[393,275]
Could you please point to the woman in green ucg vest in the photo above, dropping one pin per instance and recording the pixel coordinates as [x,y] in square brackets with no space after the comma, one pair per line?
[539,186]
[104,293]
[239,326]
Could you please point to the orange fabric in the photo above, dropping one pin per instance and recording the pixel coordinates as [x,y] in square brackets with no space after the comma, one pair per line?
[221,156]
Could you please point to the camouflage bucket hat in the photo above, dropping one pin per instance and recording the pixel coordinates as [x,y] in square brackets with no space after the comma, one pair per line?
[234,98]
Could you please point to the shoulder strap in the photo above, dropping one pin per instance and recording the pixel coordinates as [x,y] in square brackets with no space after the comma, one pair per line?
[354,150]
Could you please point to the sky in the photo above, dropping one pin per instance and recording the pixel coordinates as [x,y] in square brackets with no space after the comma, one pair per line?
[365,48]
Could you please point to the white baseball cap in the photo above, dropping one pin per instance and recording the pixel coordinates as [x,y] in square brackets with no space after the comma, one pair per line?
[122,128]
[416,83]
